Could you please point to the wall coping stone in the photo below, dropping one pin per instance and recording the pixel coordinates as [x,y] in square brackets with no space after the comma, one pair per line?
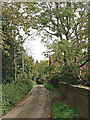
[78,86]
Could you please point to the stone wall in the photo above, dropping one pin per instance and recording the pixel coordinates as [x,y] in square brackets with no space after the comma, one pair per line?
[78,98]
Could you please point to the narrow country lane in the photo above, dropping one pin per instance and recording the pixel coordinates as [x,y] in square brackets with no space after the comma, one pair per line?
[36,105]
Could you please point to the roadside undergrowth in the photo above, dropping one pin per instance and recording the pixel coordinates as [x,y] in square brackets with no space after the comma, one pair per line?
[14,93]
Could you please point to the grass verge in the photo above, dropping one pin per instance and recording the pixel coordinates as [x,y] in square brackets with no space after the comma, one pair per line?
[62,110]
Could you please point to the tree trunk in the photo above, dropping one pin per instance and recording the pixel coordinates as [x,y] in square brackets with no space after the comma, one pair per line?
[23,61]
[50,74]
[65,61]
[15,72]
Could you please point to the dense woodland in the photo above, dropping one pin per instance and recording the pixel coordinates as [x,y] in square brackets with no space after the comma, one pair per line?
[64,28]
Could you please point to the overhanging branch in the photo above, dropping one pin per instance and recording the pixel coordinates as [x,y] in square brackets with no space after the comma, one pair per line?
[49,32]
[84,63]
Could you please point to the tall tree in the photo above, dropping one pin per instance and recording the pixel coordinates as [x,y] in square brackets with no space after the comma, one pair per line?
[66,28]
[14,18]
[68,22]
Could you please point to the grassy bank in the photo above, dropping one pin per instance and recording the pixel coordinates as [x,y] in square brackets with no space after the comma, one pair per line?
[12,93]
[60,107]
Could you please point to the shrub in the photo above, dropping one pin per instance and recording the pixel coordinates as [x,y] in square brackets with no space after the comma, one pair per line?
[55,80]
[22,76]
[47,86]
[41,78]
[65,75]
[68,75]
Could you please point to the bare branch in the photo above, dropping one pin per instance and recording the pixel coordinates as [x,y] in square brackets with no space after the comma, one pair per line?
[84,63]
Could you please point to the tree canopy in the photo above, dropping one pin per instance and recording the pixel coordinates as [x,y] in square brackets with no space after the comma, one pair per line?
[65,34]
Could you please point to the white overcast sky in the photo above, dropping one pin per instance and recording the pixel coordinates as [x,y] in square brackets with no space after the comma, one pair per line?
[35,48]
